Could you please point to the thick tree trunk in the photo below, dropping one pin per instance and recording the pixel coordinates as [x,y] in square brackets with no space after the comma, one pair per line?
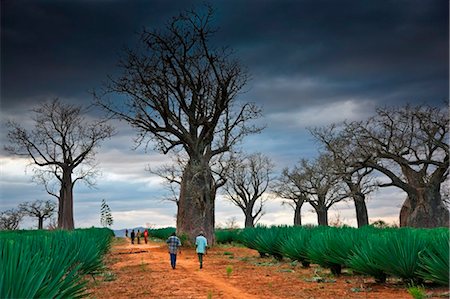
[40,222]
[362,216]
[424,208]
[322,216]
[196,205]
[404,212]
[249,220]
[298,214]
[60,207]
[65,209]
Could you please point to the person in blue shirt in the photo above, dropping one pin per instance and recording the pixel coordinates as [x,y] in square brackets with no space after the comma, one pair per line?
[201,245]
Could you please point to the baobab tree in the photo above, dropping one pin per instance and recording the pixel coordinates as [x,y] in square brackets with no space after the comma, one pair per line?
[179,92]
[10,219]
[291,187]
[172,173]
[409,145]
[323,188]
[247,181]
[39,209]
[357,180]
[62,145]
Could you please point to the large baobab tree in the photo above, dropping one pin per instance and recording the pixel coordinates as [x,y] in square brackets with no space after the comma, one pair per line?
[62,146]
[247,181]
[39,209]
[172,173]
[291,187]
[357,180]
[409,145]
[179,92]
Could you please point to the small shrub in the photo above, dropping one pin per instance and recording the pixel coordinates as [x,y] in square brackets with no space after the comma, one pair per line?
[434,261]
[363,258]
[226,236]
[267,241]
[321,249]
[229,271]
[184,238]
[400,254]
[296,245]
[109,276]
[417,292]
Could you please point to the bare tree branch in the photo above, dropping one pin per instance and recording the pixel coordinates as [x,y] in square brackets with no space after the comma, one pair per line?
[10,219]
[248,179]
[38,209]
[409,145]
[62,145]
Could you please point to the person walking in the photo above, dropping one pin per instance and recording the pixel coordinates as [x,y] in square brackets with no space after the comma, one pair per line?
[146,236]
[138,235]
[126,233]
[201,244]
[132,235]
[174,244]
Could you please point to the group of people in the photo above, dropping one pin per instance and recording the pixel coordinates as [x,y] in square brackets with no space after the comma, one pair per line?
[137,236]
[174,244]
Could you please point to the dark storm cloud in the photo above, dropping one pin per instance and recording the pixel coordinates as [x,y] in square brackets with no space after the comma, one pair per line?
[387,50]
[311,62]
[67,48]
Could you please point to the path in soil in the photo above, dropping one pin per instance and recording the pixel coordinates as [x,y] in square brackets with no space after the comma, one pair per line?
[143,271]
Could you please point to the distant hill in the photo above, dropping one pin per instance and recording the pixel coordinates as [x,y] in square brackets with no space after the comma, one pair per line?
[121,232]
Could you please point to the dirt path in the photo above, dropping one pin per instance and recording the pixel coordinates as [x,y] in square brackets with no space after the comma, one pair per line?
[143,271]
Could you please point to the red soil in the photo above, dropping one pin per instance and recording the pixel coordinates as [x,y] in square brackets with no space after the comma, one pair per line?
[143,271]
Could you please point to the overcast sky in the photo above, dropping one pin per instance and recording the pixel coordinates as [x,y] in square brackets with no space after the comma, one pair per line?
[311,62]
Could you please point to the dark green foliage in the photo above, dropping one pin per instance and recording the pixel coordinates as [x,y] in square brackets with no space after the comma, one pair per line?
[184,239]
[227,235]
[400,254]
[296,245]
[319,250]
[247,236]
[267,241]
[331,247]
[339,243]
[434,261]
[161,233]
[411,254]
[363,261]
[43,264]
[270,241]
